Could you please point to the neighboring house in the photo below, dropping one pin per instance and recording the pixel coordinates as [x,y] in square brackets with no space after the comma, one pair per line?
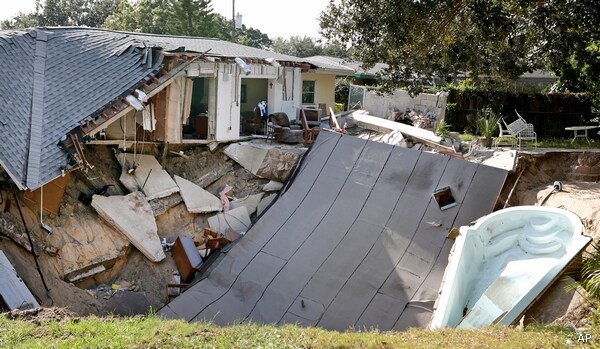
[351,69]
[65,85]
[318,85]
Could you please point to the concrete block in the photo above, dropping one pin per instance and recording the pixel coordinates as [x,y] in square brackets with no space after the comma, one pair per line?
[148,174]
[250,202]
[272,186]
[197,200]
[236,219]
[132,216]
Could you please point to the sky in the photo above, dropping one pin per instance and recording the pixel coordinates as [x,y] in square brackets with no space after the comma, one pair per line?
[283,18]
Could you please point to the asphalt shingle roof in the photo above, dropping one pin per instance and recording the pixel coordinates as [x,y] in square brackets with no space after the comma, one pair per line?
[52,80]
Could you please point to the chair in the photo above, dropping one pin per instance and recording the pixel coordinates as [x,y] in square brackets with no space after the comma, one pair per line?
[504,133]
[528,133]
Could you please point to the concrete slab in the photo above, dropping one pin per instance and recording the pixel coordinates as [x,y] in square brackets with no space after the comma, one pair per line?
[236,219]
[250,202]
[13,290]
[264,203]
[272,186]
[197,200]
[266,161]
[248,155]
[132,216]
[505,159]
[392,138]
[148,175]
[385,126]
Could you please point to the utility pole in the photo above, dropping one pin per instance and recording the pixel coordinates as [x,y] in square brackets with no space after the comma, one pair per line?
[233,21]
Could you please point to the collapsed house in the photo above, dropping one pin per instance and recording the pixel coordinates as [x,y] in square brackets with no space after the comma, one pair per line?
[358,238]
[66,87]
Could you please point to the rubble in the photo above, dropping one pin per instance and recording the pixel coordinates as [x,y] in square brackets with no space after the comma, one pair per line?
[148,175]
[271,162]
[197,200]
[250,202]
[13,291]
[162,205]
[236,219]
[132,216]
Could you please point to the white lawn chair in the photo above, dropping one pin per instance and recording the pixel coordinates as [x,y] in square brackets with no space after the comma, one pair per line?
[504,133]
[527,133]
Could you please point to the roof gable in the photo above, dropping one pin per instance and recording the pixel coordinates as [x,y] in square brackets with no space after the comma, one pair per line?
[55,79]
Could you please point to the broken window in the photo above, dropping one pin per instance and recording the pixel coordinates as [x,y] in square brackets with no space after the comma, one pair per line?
[308,92]
[444,198]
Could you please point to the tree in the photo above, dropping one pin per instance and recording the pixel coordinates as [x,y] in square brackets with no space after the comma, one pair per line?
[180,17]
[305,47]
[253,37]
[90,13]
[420,39]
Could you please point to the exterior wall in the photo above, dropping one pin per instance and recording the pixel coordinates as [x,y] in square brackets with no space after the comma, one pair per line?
[284,86]
[382,106]
[176,106]
[285,92]
[324,89]
[228,107]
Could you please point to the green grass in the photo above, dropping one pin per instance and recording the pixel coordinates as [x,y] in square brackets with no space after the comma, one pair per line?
[152,332]
[564,143]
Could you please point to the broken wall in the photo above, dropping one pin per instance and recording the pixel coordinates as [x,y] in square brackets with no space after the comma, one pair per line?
[382,105]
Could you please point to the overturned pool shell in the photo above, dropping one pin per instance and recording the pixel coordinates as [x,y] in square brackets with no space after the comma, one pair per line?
[502,263]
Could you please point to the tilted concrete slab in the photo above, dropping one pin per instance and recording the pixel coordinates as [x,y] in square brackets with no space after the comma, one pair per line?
[250,202]
[272,186]
[132,215]
[266,161]
[247,155]
[148,174]
[386,126]
[264,203]
[236,219]
[196,199]
[13,290]
[357,239]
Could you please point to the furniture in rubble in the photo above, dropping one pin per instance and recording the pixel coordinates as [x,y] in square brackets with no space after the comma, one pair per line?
[186,257]
[278,128]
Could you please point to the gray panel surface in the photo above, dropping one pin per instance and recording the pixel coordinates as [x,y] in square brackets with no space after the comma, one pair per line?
[355,240]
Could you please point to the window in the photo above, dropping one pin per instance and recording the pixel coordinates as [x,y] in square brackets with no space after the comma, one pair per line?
[308,92]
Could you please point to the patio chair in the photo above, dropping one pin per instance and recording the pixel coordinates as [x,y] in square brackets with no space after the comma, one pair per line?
[528,133]
[504,133]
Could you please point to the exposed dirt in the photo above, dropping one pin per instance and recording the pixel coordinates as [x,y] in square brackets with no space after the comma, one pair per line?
[132,272]
[79,233]
[42,314]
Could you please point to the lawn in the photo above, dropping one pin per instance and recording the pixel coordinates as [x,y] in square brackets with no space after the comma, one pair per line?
[563,143]
[152,332]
